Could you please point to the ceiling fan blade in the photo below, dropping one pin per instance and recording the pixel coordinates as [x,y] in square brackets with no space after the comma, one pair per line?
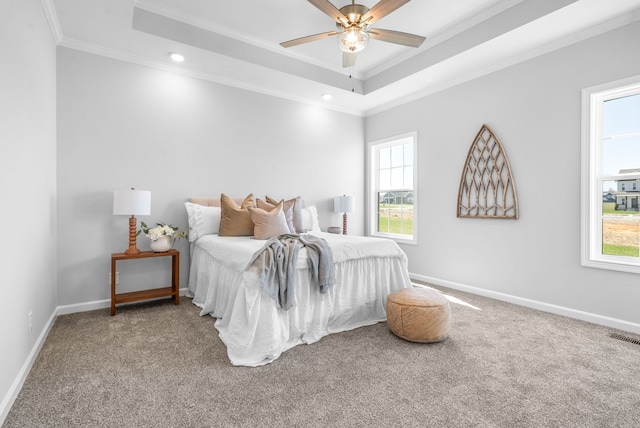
[348,59]
[307,39]
[397,37]
[381,9]
[331,10]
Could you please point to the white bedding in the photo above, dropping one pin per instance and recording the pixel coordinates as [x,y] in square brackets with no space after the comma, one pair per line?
[254,330]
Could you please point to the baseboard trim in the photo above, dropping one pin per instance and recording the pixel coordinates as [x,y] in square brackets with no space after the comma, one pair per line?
[15,388]
[534,304]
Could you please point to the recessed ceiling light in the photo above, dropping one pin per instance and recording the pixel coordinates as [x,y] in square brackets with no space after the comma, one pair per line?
[327,96]
[176,56]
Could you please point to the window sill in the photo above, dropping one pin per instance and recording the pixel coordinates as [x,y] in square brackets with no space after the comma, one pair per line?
[398,239]
[619,266]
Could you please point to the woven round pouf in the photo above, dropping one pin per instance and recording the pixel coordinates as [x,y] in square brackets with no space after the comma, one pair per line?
[419,315]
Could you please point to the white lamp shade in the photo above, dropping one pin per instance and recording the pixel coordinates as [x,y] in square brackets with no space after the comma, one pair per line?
[343,204]
[131,202]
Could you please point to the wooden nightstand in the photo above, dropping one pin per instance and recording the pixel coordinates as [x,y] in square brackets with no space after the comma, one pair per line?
[152,293]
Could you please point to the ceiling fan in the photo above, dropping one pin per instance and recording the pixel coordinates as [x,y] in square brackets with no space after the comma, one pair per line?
[354,28]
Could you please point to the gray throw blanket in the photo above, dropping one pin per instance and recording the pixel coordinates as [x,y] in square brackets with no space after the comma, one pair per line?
[275,266]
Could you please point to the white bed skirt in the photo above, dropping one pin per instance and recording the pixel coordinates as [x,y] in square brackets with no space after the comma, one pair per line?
[256,332]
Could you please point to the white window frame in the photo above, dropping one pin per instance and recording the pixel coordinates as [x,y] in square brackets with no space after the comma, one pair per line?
[592,136]
[372,187]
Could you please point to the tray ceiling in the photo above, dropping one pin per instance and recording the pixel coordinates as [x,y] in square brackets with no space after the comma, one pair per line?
[237,42]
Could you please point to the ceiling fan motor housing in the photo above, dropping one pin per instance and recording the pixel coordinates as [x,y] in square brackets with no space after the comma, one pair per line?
[354,13]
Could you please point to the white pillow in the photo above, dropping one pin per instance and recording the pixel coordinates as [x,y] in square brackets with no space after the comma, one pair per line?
[310,219]
[202,220]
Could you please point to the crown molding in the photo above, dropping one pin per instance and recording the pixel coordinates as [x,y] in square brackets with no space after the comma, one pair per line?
[52,19]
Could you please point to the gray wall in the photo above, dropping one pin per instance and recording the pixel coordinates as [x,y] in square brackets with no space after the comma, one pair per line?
[27,186]
[535,110]
[122,125]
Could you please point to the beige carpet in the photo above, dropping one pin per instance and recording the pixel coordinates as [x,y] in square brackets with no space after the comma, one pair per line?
[161,365]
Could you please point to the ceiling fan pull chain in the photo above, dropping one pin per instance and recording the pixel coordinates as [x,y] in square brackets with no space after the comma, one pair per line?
[350,74]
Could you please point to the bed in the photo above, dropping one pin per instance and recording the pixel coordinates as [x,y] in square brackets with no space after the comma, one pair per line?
[250,323]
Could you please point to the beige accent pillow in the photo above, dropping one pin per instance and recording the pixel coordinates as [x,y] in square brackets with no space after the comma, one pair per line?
[236,220]
[268,224]
[297,212]
[288,210]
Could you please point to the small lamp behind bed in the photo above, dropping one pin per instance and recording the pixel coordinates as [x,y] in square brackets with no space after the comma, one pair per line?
[132,203]
[343,204]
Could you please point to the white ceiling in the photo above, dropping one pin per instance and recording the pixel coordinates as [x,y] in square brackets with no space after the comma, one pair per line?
[237,42]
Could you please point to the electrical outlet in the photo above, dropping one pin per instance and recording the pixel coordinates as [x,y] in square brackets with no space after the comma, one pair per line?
[30,322]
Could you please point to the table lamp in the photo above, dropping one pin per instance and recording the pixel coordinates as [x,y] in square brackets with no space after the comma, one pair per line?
[343,204]
[132,203]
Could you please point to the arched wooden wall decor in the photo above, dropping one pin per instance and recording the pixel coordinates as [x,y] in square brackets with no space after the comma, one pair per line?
[487,189]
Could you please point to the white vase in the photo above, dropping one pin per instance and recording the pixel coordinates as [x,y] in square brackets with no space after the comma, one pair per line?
[162,244]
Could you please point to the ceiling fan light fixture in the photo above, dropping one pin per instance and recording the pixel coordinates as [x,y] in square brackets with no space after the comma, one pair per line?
[353,39]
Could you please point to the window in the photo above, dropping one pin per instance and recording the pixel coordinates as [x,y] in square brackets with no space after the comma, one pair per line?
[610,176]
[392,194]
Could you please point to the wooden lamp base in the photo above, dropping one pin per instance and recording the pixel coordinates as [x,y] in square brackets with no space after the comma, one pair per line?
[133,247]
[344,223]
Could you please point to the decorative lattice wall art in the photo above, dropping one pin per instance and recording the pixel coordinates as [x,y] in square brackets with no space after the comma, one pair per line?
[487,189]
